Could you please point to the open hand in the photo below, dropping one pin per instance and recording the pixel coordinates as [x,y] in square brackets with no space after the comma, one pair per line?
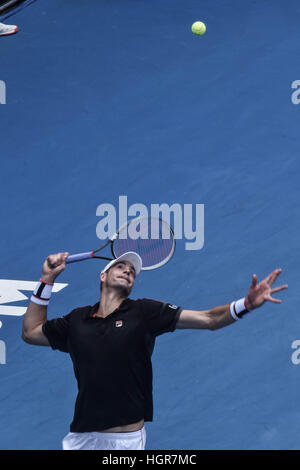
[260,292]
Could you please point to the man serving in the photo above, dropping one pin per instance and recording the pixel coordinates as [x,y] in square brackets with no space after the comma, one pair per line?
[111,343]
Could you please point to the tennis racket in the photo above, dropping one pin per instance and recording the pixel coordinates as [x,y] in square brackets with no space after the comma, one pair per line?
[150,237]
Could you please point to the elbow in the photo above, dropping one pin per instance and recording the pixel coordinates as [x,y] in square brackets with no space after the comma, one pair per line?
[26,337]
[213,325]
[210,321]
[214,321]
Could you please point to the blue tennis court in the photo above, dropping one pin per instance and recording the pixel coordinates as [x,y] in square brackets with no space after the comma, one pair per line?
[118,98]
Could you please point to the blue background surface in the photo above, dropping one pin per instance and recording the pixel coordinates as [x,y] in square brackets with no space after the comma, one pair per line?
[109,98]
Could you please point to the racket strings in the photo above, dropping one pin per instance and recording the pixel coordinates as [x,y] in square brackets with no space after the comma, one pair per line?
[153,241]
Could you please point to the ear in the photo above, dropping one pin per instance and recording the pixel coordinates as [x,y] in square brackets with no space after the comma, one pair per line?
[102,277]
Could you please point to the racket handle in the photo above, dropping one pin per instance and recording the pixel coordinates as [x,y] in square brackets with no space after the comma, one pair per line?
[79,257]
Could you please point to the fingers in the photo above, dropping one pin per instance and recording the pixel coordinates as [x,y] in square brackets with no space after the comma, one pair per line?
[273,291]
[59,259]
[275,301]
[53,266]
[50,262]
[254,280]
[271,278]
[278,289]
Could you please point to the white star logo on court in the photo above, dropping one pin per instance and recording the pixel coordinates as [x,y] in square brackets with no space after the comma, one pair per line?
[10,292]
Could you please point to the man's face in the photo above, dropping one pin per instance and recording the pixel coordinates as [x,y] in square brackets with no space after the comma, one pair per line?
[120,276]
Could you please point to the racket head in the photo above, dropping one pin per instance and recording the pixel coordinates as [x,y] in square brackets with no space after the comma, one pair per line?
[150,237]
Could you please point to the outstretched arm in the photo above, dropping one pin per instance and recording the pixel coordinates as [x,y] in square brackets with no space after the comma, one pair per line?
[219,317]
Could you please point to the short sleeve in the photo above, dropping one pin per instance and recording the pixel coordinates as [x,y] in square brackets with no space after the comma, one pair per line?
[160,317]
[56,332]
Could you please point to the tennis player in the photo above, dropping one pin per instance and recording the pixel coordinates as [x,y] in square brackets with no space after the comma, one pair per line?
[111,343]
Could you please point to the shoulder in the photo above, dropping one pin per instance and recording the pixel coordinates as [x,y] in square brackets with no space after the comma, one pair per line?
[147,301]
[156,306]
[145,304]
[160,317]
[154,303]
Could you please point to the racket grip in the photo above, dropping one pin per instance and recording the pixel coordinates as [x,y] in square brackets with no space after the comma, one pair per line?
[79,257]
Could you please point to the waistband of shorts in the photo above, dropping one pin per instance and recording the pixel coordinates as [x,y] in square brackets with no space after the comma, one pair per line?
[121,435]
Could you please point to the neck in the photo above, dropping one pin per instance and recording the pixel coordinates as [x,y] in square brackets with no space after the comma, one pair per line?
[109,301]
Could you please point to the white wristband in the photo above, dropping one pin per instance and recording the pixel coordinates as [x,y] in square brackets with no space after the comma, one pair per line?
[238,308]
[42,293]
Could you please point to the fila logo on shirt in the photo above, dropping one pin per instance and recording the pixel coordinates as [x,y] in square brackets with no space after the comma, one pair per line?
[119,323]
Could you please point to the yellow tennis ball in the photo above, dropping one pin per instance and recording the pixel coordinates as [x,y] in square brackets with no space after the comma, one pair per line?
[198,28]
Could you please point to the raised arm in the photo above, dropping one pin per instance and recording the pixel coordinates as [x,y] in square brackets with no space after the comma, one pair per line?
[36,313]
[219,317]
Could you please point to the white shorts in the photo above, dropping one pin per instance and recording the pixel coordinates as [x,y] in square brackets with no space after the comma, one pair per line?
[105,441]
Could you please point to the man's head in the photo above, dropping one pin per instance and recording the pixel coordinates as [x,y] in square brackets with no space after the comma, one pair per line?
[120,273]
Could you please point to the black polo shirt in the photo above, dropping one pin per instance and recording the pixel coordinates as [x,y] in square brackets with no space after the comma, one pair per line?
[112,360]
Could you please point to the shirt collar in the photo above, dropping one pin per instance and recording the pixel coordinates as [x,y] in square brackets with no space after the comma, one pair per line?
[95,307]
